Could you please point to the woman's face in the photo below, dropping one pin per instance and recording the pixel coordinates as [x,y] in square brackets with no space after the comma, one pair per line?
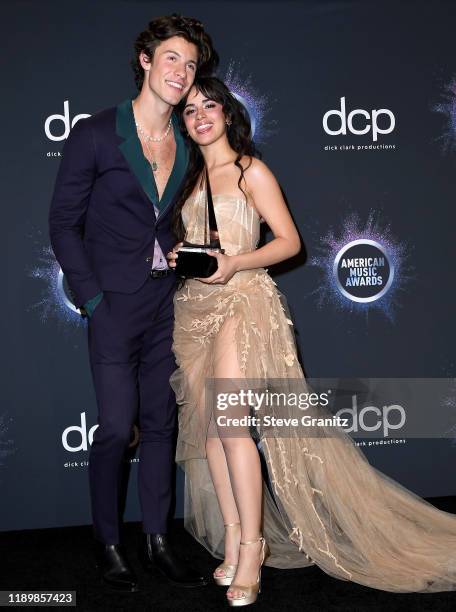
[204,118]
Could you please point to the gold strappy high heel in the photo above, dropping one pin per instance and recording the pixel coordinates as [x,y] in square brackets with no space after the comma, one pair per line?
[249,593]
[229,570]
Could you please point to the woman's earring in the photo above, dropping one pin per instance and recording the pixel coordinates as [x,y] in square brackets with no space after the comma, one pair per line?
[228,122]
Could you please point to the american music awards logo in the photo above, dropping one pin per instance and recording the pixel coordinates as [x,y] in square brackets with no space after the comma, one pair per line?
[257,104]
[56,298]
[362,267]
[363,271]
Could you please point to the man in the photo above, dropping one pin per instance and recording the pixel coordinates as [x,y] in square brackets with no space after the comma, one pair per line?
[110,225]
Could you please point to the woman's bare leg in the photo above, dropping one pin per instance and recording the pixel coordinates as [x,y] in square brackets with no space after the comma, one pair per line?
[221,479]
[237,478]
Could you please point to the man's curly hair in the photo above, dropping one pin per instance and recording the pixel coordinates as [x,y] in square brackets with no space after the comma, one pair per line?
[165,27]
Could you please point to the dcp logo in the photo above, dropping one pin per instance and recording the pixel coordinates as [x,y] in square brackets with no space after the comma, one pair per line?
[82,438]
[81,435]
[347,121]
[65,119]
[372,418]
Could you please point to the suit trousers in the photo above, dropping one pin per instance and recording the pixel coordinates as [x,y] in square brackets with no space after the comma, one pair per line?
[130,349]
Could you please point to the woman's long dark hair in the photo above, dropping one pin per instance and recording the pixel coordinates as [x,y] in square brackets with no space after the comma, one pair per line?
[239,137]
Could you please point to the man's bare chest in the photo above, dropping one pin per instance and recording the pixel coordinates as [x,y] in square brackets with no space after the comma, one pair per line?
[161,158]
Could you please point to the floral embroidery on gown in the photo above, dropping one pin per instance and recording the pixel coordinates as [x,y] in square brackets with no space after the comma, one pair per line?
[327,505]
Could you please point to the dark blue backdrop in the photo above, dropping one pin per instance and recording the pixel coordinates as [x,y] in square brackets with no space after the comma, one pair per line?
[291,62]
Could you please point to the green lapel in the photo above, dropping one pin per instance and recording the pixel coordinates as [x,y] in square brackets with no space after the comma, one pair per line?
[134,156]
[132,150]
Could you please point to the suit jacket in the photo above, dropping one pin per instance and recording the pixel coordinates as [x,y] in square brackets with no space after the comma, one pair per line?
[102,222]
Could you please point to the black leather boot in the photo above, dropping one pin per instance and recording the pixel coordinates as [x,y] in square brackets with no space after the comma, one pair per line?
[155,552]
[114,567]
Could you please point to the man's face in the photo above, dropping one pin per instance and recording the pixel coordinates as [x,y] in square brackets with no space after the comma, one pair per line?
[172,70]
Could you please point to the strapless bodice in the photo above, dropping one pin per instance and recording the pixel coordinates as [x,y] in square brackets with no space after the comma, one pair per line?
[238,222]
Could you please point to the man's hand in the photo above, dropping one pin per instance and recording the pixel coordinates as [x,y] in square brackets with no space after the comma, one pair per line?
[172,255]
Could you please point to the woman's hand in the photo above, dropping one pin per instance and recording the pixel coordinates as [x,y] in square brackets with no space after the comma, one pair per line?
[227,268]
[172,255]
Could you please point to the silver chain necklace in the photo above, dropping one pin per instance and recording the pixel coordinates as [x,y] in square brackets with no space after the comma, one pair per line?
[149,138]
[154,164]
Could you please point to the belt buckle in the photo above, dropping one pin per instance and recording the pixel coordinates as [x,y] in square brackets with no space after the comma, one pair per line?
[159,273]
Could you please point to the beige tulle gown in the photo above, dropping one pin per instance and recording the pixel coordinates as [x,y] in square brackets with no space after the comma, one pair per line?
[327,506]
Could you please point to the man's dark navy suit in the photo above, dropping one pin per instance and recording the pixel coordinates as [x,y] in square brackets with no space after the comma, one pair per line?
[103,229]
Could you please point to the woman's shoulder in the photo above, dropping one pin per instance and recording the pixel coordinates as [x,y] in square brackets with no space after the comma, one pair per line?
[256,171]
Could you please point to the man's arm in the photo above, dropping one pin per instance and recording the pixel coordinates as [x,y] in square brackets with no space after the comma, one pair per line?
[67,215]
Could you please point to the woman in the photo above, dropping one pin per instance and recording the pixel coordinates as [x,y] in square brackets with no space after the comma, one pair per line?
[328,505]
